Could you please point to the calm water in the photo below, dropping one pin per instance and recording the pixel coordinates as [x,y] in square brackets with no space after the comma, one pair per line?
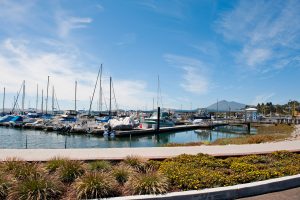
[16,138]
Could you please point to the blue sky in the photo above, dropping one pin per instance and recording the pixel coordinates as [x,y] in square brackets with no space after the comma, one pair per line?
[245,51]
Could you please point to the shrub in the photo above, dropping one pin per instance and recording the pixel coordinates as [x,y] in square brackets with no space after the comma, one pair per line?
[242,167]
[36,188]
[147,183]
[100,165]
[53,164]
[70,170]
[96,185]
[122,173]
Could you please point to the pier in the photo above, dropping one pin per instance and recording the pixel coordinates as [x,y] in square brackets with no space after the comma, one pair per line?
[167,129]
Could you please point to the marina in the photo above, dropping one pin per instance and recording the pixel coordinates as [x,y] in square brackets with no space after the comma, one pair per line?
[24,138]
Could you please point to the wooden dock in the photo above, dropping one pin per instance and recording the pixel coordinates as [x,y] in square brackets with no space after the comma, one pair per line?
[166,129]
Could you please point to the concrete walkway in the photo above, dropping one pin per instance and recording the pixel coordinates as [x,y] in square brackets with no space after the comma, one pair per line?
[151,153]
[291,194]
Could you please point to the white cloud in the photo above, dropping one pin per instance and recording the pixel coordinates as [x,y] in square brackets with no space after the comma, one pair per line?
[195,77]
[19,61]
[268,32]
[67,23]
[255,56]
[263,98]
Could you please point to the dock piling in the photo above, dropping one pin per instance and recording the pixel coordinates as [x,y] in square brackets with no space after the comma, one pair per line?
[26,141]
[65,142]
[158,119]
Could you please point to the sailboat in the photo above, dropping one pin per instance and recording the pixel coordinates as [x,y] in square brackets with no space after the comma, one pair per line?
[165,120]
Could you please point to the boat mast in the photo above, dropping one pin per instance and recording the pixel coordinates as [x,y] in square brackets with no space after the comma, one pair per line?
[91,101]
[47,95]
[3,100]
[75,95]
[100,91]
[157,100]
[16,100]
[37,97]
[52,100]
[23,98]
[217,108]
[42,105]
[109,112]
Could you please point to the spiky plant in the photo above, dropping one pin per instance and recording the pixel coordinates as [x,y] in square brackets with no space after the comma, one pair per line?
[53,164]
[26,170]
[4,185]
[96,185]
[10,164]
[122,173]
[136,162]
[36,188]
[70,170]
[147,183]
[100,165]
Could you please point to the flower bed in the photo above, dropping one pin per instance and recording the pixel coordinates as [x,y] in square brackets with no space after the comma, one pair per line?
[61,178]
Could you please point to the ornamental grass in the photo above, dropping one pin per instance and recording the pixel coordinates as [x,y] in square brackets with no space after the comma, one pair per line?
[4,185]
[136,162]
[151,182]
[36,188]
[96,185]
[70,170]
[100,165]
[122,173]
[53,164]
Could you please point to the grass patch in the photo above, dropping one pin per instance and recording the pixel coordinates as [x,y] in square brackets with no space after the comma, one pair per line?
[264,134]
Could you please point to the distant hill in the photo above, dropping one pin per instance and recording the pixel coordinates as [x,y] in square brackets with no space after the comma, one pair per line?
[224,106]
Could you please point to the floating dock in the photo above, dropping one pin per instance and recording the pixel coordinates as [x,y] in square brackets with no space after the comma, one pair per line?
[166,129]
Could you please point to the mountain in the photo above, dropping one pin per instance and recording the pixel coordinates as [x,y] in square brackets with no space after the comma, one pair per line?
[225,105]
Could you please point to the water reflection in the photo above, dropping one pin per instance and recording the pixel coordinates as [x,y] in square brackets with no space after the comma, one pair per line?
[16,138]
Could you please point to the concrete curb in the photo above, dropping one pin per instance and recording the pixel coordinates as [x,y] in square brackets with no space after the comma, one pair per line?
[230,192]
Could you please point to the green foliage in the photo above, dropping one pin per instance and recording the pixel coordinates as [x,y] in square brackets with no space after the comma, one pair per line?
[53,164]
[36,188]
[70,170]
[147,183]
[187,172]
[96,185]
[100,165]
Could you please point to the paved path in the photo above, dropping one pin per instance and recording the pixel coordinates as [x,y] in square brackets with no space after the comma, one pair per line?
[292,194]
[152,152]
